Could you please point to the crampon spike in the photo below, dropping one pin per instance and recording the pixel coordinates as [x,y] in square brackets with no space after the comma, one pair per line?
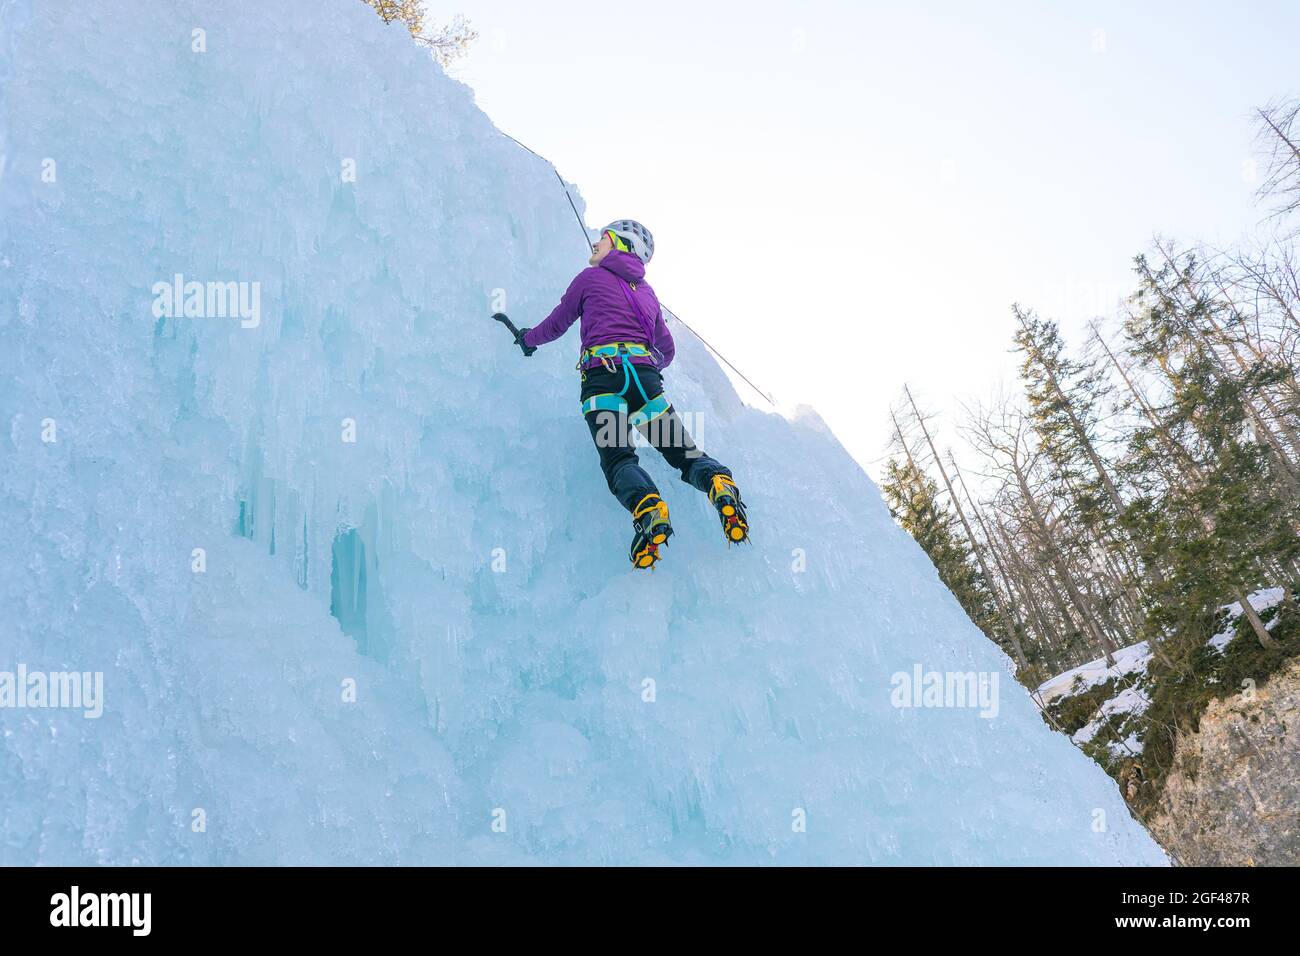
[652,530]
[731,509]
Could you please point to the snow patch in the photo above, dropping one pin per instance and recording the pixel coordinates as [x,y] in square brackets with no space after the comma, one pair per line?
[1131,660]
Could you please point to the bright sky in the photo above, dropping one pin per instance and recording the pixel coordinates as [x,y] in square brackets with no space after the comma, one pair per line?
[847,196]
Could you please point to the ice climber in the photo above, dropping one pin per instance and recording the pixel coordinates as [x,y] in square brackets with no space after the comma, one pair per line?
[625,347]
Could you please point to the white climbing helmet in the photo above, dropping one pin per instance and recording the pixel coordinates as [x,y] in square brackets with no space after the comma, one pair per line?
[636,236]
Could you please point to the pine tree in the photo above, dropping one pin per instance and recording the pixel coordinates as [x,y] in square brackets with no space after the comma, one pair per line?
[1066,398]
[1222,521]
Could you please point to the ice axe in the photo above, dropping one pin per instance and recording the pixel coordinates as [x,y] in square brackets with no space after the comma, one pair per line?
[517,333]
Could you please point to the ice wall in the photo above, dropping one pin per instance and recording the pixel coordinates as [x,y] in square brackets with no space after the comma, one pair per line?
[521,694]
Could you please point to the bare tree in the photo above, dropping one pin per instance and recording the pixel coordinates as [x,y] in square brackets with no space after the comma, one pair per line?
[1279,138]
[446,42]
[1004,436]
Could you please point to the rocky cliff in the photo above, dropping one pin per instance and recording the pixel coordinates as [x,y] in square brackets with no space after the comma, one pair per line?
[1233,796]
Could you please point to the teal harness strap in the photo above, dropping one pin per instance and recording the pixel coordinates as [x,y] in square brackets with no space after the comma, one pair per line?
[649,411]
[608,402]
[628,365]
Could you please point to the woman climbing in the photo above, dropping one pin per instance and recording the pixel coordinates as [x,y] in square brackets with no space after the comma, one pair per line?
[625,347]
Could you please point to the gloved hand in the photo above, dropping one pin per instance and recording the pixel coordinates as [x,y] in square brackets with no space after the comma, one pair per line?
[519,341]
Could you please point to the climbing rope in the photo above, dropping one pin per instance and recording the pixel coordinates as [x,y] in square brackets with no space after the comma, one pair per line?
[586,241]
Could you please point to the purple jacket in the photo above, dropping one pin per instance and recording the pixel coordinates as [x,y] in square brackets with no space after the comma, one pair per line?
[600,295]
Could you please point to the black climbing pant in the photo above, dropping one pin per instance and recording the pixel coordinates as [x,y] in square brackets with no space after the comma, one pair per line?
[612,433]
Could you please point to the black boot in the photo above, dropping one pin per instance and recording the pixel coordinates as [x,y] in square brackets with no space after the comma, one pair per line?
[650,522]
[726,498]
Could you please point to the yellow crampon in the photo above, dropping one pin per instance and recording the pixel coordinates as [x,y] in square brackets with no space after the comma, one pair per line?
[725,496]
[650,519]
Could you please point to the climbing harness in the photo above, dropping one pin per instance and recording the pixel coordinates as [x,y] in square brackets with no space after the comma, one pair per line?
[651,408]
[607,354]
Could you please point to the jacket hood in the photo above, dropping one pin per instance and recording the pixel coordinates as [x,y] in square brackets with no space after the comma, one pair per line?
[624,265]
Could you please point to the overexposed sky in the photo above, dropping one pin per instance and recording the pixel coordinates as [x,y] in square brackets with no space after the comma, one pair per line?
[847,196]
